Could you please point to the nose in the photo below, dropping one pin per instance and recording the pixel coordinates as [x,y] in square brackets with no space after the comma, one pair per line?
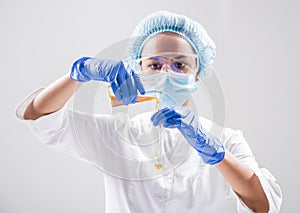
[166,68]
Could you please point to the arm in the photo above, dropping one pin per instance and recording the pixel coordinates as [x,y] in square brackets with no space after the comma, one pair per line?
[52,98]
[244,182]
[121,76]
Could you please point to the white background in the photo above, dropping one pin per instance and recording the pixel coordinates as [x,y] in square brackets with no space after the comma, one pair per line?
[257,62]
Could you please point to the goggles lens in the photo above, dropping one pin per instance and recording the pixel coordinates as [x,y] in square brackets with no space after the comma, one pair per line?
[168,62]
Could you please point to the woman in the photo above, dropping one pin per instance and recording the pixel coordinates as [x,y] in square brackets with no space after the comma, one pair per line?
[175,51]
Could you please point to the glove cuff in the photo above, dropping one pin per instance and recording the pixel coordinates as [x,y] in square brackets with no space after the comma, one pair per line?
[78,70]
[212,150]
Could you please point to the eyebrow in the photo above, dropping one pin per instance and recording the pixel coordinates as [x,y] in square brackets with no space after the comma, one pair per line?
[180,57]
[157,58]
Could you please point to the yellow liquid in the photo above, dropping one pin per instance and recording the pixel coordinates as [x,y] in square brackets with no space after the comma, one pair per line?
[158,165]
[115,102]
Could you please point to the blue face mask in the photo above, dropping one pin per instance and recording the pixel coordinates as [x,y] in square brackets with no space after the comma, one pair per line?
[172,89]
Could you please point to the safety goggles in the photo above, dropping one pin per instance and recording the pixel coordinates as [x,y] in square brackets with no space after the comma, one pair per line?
[167,62]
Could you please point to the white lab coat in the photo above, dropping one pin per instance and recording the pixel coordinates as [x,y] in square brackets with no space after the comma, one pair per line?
[132,183]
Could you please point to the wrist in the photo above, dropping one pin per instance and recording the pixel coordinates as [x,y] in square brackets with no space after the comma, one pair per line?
[212,150]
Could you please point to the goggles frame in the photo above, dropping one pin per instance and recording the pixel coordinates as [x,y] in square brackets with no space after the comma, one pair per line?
[176,62]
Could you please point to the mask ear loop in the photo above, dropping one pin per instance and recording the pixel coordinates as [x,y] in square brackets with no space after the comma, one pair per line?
[198,71]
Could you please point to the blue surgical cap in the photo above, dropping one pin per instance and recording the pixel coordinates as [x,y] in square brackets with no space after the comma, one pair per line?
[163,21]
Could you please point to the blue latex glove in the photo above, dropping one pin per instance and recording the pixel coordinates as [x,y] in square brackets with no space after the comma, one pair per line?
[209,148]
[124,82]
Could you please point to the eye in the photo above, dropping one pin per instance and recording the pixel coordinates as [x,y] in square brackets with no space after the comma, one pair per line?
[155,66]
[179,65]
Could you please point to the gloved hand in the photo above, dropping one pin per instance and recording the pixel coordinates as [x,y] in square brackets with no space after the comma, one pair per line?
[124,82]
[209,148]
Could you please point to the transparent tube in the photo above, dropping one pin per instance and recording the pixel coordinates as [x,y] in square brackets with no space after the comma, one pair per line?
[143,98]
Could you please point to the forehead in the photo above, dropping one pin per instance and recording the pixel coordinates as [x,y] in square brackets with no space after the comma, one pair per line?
[167,42]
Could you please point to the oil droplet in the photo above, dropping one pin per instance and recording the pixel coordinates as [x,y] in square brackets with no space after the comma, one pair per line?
[158,165]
